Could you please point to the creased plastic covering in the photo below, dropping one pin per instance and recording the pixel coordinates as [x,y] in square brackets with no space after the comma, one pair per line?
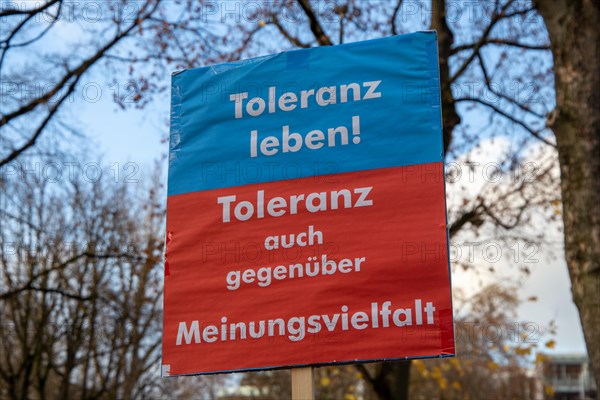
[306,218]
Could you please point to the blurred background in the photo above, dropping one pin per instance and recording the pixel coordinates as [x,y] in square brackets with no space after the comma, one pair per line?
[84,128]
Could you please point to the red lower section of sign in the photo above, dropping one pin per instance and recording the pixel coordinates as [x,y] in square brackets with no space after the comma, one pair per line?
[334,268]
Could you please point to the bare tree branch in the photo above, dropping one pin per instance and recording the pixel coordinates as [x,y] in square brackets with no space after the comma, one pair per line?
[5,44]
[505,114]
[315,26]
[498,42]
[393,17]
[71,76]
[484,37]
[29,284]
[15,11]
[488,83]
[292,39]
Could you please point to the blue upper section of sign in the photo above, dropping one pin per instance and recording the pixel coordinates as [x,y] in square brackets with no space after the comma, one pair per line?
[390,86]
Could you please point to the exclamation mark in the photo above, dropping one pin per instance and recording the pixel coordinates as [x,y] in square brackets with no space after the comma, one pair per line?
[356,129]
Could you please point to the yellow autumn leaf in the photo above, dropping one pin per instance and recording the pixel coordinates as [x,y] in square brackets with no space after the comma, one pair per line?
[539,358]
[551,344]
[420,366]
[492,365]
[556,206]
[456,385]
[549,391]
[455,363]
[443,383]
[325,381]
[349,396]
[524,335]
[522,351]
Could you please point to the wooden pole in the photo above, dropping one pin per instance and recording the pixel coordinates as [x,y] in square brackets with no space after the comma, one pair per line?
[302,384]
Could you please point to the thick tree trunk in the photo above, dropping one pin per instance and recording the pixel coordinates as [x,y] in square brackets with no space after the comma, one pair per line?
[450,117]
[396,376]
[574,28]
[390,380]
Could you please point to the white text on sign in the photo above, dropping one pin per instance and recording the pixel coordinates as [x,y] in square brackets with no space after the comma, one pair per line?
[291,142]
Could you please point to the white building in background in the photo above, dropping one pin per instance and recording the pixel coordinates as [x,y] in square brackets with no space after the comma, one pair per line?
[568,375]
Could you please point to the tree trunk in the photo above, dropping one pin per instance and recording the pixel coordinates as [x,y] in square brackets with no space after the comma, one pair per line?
[574,29]
[390,379]
[450,117]
[396,375]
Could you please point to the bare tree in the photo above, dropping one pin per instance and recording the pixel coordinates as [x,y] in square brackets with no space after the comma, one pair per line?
[81,289]
[34,97]
[574,34]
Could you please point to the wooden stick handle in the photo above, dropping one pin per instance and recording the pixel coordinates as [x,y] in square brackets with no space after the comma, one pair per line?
[302,384]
